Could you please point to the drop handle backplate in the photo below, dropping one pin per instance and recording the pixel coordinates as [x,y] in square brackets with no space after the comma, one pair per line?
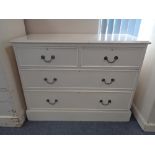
[107,59]
[43,57]
[50,82]
[108,83]
[52,103]
[105,103]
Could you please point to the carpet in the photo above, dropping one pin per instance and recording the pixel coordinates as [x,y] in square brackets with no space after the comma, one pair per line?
[76,128]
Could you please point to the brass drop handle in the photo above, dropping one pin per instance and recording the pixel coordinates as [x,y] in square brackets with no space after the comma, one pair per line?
[51,103]
[108,83]
[103,103]
[47,61]
[50,82]
[107,59]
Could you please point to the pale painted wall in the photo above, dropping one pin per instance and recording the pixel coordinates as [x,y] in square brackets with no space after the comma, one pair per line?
[145,95]
[61,26]
[10,29]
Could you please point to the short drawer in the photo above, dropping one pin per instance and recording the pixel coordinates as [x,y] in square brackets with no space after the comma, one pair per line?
[78,100]
[79,79]
[4,96]
[53,57]
[107,57]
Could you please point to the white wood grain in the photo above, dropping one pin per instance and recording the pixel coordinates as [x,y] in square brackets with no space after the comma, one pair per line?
[80,38]
[61,115]
[88,79]
[78,100]
[129,56]
[64,57]
[79,68]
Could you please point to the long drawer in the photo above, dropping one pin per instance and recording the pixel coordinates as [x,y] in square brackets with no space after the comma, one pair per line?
[79,79]
[112,57]
[53,57]
[78,100]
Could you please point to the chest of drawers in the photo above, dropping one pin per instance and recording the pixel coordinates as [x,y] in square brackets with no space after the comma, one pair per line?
[78,77]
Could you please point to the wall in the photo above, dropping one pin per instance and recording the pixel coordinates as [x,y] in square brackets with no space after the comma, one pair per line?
[15,111]
[9,29]
[144,101]
[61,26]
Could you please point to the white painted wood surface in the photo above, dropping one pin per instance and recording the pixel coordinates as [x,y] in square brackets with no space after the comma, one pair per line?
[127,56]
[91,79]
[55,115]
[78,88]
[78,100]
[64,57]
[80,38]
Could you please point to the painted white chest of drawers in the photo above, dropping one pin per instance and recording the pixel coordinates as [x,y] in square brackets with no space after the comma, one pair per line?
[79,77]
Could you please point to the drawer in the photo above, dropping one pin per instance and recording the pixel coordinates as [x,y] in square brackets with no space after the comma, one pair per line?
[107,57]
[4,96]
[78,100]
[53,57]
[79,79]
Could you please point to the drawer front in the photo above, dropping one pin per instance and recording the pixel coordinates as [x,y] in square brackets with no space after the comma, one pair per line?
[107,57]
[79,79]
[4,96]
[78,100]
[53,57]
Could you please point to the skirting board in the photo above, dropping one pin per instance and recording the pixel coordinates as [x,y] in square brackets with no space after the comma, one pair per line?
[10,121]
[142,122]
[55,115]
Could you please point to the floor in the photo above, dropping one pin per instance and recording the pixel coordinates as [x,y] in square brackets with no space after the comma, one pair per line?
[76,128]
